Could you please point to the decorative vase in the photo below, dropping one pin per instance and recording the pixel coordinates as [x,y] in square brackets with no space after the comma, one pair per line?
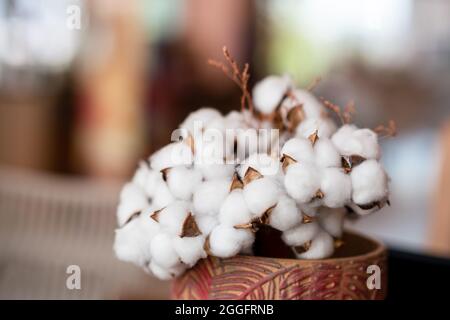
[344,276]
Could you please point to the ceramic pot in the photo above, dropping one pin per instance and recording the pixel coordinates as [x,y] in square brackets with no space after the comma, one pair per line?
[344,276]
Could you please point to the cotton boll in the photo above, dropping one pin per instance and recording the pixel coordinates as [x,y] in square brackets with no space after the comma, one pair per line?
[163,252]
[206,223]
[235,120]
[268,140]
[132,200]
[322,246]
[326,154]
[261,162]
[312,108]
[234,209]
[226,242]
[219,170]
[141,174]
[190,249]
[132,245]
[299,149]
[285,215]
[302,181]
[197,120]
[148,225]
[261,194]
[309,209]
[362,212]
[163,197]
[209,196]
[268,93]
[151,183]
[163,273]
[172,217]
[332,220]
[183,181]
[336,187]
[172,155]
[300,234]
[352,141]
[325,127]
[370,182]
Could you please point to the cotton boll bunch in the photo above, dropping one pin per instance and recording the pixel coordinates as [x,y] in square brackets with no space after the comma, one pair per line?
[226,176]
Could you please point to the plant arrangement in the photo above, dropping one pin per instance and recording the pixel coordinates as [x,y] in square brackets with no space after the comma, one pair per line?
[281,162]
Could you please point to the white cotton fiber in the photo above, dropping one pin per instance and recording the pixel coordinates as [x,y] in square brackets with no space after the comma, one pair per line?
[268,93]
[164,273]
[151,183]
[227,241]
[163,252]
[172,155]
[324,126]
[163,197]
[310,209]
[336,187]
[302,181]
[132,200]
[197,120]
[190,249]
[261,162]
[261,194]
[172,217]
[206,223]
[285,215]
[332,220]
[234,209]
[312,108]
[326,154]
[132,245]
[300,234]
[219,170]
[350,140]
[369,182]
[182,181]
[299,149]
[209,196]
[140,177]
[322,246]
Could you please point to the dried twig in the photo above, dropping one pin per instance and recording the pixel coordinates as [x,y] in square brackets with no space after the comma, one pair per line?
[387,131]
[345,114]
[314,84]
[238,77]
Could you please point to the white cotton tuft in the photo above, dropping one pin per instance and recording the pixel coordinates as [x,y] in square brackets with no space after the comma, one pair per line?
[268,93]
[326,154]
[302,181]
[285,215]
[172,155]
[219,170]
[234,209]
[209,196]
[369,182]
[322,246]
[131,244]
[163,197]
[312,108]
[350,140]
[324,126]
[261,162]
[172,217]
[226,242]
[261,194]
[132,200]
[336,187]
[163,273]
[300,234]
[206,223]
[183,181]
[299,149]
[199,119]
[332,220]
[163,252]
[190,249]
[150,185]
[310,209]
[141,175]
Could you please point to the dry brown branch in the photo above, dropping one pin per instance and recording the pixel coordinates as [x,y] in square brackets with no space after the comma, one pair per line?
[314,84]
[387,131]
[238,77]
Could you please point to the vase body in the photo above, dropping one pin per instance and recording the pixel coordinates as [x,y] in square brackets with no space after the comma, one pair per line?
[345,276]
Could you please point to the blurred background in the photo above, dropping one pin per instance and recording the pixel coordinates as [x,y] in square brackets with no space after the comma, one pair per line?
[89,87]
